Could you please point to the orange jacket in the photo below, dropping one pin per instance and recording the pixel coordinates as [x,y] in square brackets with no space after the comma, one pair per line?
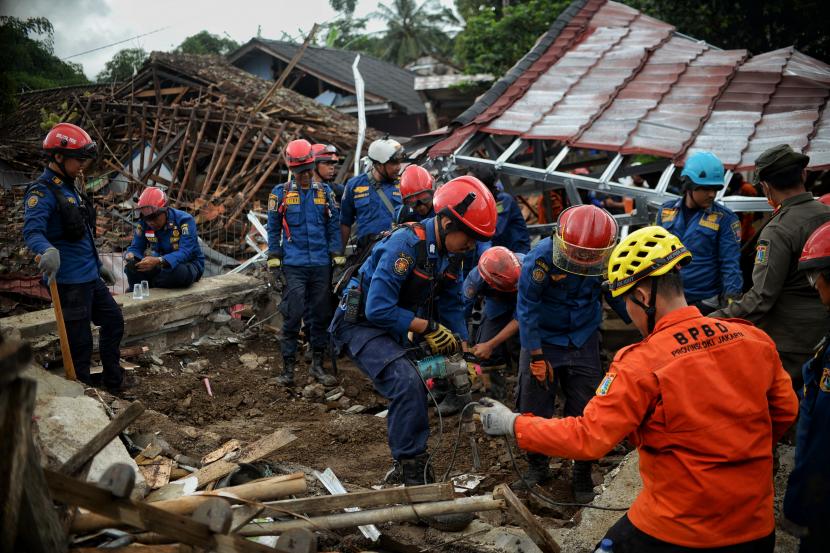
[704,400]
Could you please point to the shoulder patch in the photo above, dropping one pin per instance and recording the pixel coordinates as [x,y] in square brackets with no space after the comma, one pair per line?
[542,265]
[605,385]
[470,291]
[762,252]
[402,264]
[668,214]
[538,275]
[32,201]
[272,202]
[185,229]
[499,207]
[736,228]
[824,381]
[138,230]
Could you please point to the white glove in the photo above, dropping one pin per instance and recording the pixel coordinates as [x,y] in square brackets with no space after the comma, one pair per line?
[496,418]
[50,262]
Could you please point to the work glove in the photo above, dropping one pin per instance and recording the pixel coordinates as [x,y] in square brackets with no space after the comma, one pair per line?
[338,260]
[441,340]
[541,369]
[729,299]
[107,275]
[50,262]
[496,418]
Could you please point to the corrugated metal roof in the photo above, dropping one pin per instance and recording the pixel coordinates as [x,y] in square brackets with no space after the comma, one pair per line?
[615,79]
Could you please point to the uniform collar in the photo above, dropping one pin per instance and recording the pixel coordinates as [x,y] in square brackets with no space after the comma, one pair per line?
[679,204]
[53,177]
[804,197]
[677,316]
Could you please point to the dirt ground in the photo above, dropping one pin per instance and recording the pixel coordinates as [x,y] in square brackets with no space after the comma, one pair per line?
[247,404]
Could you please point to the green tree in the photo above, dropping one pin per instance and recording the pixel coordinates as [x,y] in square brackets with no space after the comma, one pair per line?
[756,25]
[495,39]
[414,30]
[204,42]
[29,63]
[123,65]
[348,32]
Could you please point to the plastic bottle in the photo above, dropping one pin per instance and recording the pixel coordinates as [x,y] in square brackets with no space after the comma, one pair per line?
[605,546]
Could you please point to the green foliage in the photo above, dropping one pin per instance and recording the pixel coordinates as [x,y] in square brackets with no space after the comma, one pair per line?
[471,8]
[49,119]
[493,41]
[204,42]
[123,65]
[414,30]
[347,33]
[28,63]
[756,25]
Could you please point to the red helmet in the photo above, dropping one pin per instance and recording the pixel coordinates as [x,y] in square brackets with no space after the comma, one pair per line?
[816,252]
[299,156]
[466,201]
[414,180]
[70,140]
[500,268]
[151,201]
[324,152]
[584,239]
[825,199]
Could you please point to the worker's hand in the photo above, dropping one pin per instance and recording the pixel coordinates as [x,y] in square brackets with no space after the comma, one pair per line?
[792,528]
[729,299]
[540,368]
[483,350]
[274,264]
[496,418]
[129,257]
[148,263]
[338,260]
[441,339]
[107,275]
[50,262]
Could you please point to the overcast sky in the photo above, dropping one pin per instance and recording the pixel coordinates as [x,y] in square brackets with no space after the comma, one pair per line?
[82,25]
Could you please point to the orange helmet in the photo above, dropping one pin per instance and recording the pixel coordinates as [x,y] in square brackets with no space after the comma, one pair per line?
[152,201]
[584,239]
[414,180]
[70,140]
[467,202]
[501,268]
[299,156]
[324,152]
[825,199]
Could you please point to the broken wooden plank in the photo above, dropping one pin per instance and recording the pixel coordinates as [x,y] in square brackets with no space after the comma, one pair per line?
[44,531]
[189,167]
[102,438]
[224,449]
[156,471]
[534,530]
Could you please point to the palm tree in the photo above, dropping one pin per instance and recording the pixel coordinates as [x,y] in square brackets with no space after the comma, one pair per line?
[414,30]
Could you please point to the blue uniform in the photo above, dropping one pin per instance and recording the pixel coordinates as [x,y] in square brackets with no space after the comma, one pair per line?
[177,243]
[361,203]
[393,296]
[303,231]
[560,313]
[713,236]
[807,500]
[84,296]
[511,228]
[496,303]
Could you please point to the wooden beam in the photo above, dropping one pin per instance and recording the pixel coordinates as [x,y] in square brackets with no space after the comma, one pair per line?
[142,130]
[93,447]
[211,174]
[534,530]
[193,155]
[288,68]
[169,91]
[182,149]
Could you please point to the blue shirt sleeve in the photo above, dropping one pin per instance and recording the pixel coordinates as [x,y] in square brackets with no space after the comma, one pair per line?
[333,225]
[275,223]
[518,226]
[471,288]
[188,244]
[385,287]
[39,205]
[729,246]
[139,243]
[347,211]
[529,301]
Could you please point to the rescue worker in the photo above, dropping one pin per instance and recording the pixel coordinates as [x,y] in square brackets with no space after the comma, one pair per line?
[404,286]
[710,231]
[807,500]
[559,308]
[325,167]
[496,280]
[59,227]
[176,259]
[781,301]
[416,193]
[372,199]
[302,243]
[511,231]
[703,400]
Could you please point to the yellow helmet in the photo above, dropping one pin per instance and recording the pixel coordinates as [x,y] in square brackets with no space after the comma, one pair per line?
[650,251]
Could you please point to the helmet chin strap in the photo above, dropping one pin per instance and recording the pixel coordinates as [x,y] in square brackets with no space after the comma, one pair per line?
[651,308]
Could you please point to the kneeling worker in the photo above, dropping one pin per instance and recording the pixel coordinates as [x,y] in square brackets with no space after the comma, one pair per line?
[176,259]
[703,399]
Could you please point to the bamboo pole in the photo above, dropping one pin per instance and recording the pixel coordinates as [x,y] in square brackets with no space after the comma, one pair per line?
[193,156]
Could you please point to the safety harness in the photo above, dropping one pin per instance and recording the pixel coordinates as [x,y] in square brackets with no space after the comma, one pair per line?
[292,187]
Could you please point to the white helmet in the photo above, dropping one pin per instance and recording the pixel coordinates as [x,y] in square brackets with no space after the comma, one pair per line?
[385,150]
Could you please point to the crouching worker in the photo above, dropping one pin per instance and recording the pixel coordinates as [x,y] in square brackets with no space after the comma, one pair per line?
[704,400]
[175,259]
[402,287]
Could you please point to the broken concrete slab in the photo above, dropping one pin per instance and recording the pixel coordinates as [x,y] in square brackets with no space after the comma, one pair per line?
[67,419]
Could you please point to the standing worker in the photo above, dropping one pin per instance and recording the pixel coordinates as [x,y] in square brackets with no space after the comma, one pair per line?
[58,225]
[302,241]
[710,231]
[416,192]
[176,259]
[703,400]
[511,231]
[559,309]
[372,199]
[807,500]
[404,287]
[781,301]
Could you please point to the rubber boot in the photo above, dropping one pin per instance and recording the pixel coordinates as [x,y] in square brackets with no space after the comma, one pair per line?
[498,385]
[538,472]
[317,370]
[418,471]
[287,376]
[581,482]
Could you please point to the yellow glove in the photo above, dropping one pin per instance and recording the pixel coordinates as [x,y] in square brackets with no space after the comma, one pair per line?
[339,260]
[274,263]
[441,340]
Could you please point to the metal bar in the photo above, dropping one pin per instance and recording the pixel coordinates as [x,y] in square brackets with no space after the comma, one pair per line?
[722,192]
[508,153]
[611,169]
[558,159]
